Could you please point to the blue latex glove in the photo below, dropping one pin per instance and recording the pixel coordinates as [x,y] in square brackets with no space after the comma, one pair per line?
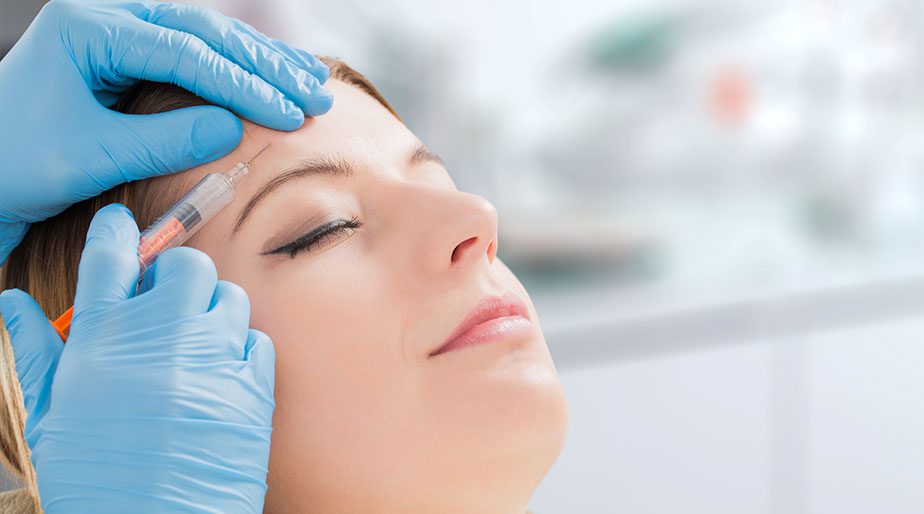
[160,401]
[59,143]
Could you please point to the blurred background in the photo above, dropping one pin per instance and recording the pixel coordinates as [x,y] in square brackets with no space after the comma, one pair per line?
[717,208]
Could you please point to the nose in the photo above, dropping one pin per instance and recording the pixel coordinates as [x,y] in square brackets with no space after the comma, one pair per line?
[470,233]
[463,233]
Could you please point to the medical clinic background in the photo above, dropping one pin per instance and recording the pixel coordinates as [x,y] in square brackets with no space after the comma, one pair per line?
[718,208]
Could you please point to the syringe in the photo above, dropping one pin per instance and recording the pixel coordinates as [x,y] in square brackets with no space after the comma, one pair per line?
[179,222]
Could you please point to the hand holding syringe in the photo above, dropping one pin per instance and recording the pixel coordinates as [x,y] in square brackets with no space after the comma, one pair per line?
[179,223]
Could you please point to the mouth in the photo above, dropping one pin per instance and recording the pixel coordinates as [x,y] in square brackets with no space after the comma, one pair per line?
[493,319]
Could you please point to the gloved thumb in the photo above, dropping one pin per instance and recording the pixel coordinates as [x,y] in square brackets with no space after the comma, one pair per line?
[108,269]
[155,144]
[36,350]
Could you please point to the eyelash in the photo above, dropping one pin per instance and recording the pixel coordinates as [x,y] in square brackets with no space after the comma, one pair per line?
[317,236]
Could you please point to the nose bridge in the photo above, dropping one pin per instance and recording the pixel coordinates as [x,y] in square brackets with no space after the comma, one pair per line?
[450,229]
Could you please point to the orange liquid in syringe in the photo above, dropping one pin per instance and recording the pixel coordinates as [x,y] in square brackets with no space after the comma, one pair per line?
[149,247]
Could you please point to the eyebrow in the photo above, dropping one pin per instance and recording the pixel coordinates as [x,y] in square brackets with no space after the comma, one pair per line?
[329,166]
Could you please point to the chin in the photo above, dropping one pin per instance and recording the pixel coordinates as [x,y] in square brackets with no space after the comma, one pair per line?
[529,400]
[507,410]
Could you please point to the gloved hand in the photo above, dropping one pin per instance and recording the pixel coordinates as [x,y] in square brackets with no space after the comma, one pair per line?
[59,143]
[160,401]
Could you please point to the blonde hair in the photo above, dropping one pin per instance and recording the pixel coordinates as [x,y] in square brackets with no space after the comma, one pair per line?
[45,263]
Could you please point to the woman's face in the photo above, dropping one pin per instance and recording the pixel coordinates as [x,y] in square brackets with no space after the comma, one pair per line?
[368,414]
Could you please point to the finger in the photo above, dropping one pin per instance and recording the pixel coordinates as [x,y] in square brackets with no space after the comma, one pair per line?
[183,279]
[254,56]
[208,23]
[304,59]
[108,268]
[156,144]
[232,306]
[11,234]
[166,55]
[36,351]
[261,354]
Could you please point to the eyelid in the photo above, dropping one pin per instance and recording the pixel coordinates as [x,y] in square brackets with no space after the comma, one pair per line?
[306,225]
[303,242]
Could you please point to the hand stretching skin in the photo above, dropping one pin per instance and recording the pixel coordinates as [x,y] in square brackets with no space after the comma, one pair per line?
[59,142]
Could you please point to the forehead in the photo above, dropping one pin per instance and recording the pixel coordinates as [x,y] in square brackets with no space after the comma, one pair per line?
[357,128]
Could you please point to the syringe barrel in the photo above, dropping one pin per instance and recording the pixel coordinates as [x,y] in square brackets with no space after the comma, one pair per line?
[208,197]
[184,218]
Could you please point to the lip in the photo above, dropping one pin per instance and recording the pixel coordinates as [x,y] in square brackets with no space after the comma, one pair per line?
[494,318]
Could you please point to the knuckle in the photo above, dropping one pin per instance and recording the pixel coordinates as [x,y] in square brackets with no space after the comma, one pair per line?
[261,342]
[231,292]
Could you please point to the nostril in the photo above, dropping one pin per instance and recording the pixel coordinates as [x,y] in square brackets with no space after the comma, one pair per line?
[492,250]
[461,247]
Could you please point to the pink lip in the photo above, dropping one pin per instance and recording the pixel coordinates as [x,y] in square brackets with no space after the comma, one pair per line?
[494,318]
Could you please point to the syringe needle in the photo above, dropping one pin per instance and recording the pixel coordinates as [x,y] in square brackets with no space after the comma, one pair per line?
[257,154]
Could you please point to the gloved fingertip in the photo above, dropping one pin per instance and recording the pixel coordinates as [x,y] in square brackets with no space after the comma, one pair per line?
[120,207]
[316,67]
[10,301]
[110,220]
[322,74]
[7,304]
[293,111]
[215,133]
[20,312]
[290,117]
[108,217]
[321,101]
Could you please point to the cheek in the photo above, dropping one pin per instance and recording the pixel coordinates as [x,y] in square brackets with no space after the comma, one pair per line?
[328,326]
[340,353]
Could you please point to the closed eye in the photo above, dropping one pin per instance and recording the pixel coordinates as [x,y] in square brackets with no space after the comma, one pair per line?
[317,237]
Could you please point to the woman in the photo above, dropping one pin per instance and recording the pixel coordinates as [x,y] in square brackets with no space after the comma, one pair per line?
[365,266]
